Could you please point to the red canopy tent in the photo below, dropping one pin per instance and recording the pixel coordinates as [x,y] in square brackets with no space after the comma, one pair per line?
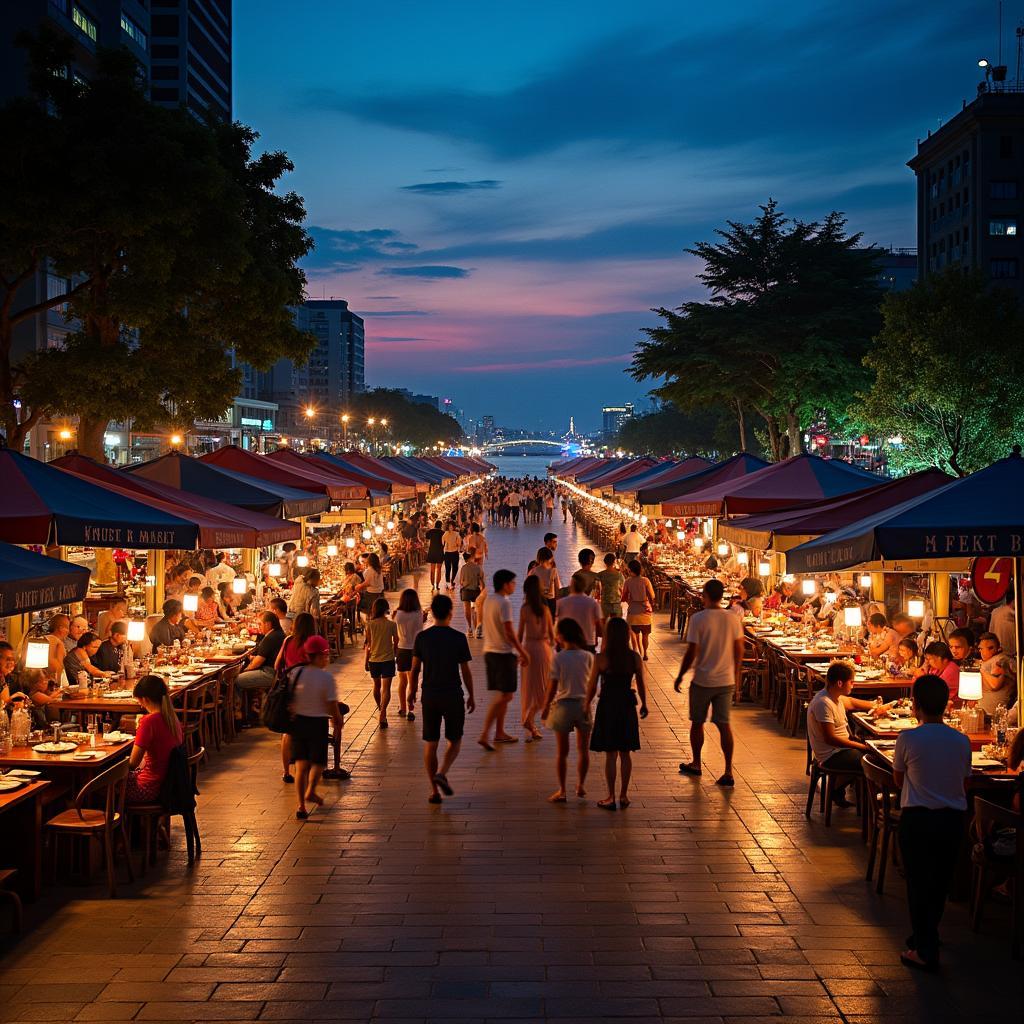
[385,469]
[237,459]
[602,480]
[660,474]
[294,462]
[220,525]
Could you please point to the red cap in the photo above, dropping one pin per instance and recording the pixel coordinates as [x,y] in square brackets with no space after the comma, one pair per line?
[315,645]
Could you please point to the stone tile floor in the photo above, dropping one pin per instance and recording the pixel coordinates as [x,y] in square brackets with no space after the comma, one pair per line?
[694,904]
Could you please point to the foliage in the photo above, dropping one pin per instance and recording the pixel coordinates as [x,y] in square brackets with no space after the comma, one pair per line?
[948,367]
[792,308]
[669,431]
[179,248]
[415,423]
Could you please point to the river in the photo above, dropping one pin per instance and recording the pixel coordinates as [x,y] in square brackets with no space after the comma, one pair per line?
[523,465]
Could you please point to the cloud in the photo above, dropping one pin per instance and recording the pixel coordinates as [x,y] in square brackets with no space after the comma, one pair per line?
[342,251]
[395,312]
[447,188]
[433,272]
[382,298]
[808,66]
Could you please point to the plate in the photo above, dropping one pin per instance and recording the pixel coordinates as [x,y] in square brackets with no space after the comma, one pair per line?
[85,755]
[55,748]
[120,695]
[24,773]
[980,761]
[6,785]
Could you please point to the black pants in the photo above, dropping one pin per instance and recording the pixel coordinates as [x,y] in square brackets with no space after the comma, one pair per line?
[451,566]
[515,515]
[846,759]
[930,843]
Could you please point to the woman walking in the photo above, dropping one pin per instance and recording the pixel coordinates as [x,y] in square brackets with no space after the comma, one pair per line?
[616,729]
[451,544]
[638,594]
[564,705]
[371,590]
[409,618]
[537,635]
[381,651]
[547,573]
[435,553]
[292,653]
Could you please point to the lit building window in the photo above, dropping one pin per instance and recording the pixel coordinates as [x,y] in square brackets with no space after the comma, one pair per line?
[84,23]
[1005,227]
[133,30]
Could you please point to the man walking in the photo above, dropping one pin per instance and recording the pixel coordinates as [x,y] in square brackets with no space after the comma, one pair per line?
[443,655]
[714,639]
[501,645]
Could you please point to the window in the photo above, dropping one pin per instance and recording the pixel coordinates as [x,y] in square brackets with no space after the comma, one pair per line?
[1003,268]
[84,23]
[168,51]
[1005,227]
[1006,146]
[1002,189]
[61,5]
[133,30]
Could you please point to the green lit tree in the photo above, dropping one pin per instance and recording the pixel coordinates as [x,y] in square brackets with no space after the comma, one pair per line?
[670,431]
[947,369]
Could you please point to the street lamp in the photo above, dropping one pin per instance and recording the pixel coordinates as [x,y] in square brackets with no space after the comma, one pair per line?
[344,425]
[176,439]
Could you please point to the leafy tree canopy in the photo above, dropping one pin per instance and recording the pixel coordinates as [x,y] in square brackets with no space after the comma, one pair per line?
[670,431]
[416,423]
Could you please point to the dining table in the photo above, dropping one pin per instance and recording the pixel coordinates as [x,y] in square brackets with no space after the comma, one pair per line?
[21,831]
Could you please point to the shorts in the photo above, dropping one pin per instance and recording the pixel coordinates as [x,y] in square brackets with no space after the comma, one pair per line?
[640,627]
[469,594]
[501,672]
[450,710]
[717,698]
[566,715]
[382,670]
[403,660]
[309,739]
[614,612]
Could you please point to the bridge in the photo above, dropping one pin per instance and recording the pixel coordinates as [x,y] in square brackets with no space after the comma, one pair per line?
[497,446]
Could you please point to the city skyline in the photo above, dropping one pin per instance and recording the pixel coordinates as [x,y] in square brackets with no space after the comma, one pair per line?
[504,199]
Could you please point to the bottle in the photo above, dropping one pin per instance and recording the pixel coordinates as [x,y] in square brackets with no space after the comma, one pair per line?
[5,733]
[21,725]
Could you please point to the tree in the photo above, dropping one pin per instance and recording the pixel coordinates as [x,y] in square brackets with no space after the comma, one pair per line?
[669,431]
[180,250]
[792,307]
[414,423]
[948,367]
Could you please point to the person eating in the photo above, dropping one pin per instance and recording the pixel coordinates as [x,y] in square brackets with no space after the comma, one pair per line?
[80,659]
[998,674]
[961,646]
[113,651]
[882,638]
[938,661]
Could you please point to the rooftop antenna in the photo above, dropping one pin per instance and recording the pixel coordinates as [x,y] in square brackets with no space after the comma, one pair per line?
[1020,42]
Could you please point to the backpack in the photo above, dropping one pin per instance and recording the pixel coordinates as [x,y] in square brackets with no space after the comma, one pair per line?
[177,791]
[276,712]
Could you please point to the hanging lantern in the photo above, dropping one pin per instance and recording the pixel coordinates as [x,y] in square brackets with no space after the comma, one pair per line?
[302,561]
[190,602]
[37,654]
[350,542]
[240,585]
[808,587]
[367,535]
[915,608]
[722,549]
[764,569]
[743,558]
[136,630]
[274,569]
[332,550]
[865,581]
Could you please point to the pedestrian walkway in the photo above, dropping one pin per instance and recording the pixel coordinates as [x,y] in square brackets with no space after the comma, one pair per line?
[693,904]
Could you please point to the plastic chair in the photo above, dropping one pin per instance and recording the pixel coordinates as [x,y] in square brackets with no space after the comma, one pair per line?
[882,816]
[988,816]
[828,777]
[7,875]
[106,825]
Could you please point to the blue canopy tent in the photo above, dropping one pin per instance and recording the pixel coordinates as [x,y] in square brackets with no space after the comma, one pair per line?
[31,582]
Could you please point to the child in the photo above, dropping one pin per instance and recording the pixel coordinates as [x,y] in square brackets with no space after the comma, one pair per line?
[931,763]
[381,650]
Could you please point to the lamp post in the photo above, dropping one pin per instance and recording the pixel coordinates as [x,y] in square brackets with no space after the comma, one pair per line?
[344,427]
[310,414]
[373,441]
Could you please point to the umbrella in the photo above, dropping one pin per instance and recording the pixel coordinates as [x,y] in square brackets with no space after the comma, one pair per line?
[29,582]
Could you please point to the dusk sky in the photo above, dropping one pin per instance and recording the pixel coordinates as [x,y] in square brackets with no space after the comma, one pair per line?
[503,191]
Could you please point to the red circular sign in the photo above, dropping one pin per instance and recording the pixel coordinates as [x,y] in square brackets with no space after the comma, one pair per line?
[991,578]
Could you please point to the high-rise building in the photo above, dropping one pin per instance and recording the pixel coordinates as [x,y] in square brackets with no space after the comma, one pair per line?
[613,417]
[190,55]
[969,186]
[334,371]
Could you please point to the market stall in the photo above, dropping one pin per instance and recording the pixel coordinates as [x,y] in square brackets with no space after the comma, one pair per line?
[651,497]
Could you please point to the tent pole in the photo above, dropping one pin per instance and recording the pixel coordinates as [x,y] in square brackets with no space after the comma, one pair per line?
[940,594]
[878,586]
[1018,623]
[156,562]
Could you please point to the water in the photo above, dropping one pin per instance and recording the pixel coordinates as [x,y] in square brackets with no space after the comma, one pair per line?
[523,465]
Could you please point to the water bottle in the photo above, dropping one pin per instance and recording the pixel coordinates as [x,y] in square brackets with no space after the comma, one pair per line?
[5,733]
[999,721]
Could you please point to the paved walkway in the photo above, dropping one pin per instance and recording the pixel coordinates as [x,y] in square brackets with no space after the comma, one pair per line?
[693,904]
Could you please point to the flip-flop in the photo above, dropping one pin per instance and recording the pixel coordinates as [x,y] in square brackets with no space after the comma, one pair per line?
[506,739]
[434,798]
[606,805]
[441,781]
[486,745]
[918,965]
[556,799]
[727,781]
[688,769]
[624,803]
[302,815]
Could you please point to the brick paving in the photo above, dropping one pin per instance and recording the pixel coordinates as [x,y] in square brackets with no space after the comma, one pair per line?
[695,904]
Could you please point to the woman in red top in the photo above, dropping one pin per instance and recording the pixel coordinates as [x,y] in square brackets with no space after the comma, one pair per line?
[293,653]
[157,735]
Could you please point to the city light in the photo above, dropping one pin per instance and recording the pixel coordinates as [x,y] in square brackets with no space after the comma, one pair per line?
[310,412]
[176,439]
[65,434]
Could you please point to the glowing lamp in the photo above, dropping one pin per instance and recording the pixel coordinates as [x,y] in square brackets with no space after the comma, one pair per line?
[764,569]
[680,535]
[865,581]
[970,686]
[274,569]
[350,542]
[37,654]
[378,531]
[367,535]
[190,602]
[391,524]
[808,587]
[722,549]
[743,558]
[136,630]
[643,520]
[240,585]
[332,550]
[302,561]
[830,596]
[852,617]
[150,581]
[698,543]
[915,608]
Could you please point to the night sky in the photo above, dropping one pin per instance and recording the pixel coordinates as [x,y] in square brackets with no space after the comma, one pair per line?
[503,191]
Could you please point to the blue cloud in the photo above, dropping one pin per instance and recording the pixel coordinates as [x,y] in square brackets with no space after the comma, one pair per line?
[427,273]
[342,251]
[447,188]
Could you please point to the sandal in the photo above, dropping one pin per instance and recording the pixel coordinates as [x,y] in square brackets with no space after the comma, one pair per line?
[606,805]
[441,781]
[726,781]
[689,769]
[434,798]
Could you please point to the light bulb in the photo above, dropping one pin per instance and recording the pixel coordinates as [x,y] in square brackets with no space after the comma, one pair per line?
[240,585]
[808,587]
[274,569]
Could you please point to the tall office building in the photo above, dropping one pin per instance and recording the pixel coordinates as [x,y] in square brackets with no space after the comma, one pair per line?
[190,55]
[334,371]
[969,186]
[612,419]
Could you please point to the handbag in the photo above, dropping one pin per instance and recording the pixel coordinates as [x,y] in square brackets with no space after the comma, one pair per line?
[276,712]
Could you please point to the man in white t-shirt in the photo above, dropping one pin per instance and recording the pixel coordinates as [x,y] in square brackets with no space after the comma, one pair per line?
[1003,624]
[714,651]
[501,647]
[585,610]
[222,572]
[514,500]
[634,542]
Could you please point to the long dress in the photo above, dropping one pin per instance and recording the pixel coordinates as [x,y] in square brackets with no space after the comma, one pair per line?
[536,675]
[616,726]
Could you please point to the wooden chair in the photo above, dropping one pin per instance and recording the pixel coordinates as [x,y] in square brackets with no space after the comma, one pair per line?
[828,778]
[7,876]
[798,695]
[212,730]
[988,816]
[227,726]
[881,815]
[106,825]
[332,626]
[154,820]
